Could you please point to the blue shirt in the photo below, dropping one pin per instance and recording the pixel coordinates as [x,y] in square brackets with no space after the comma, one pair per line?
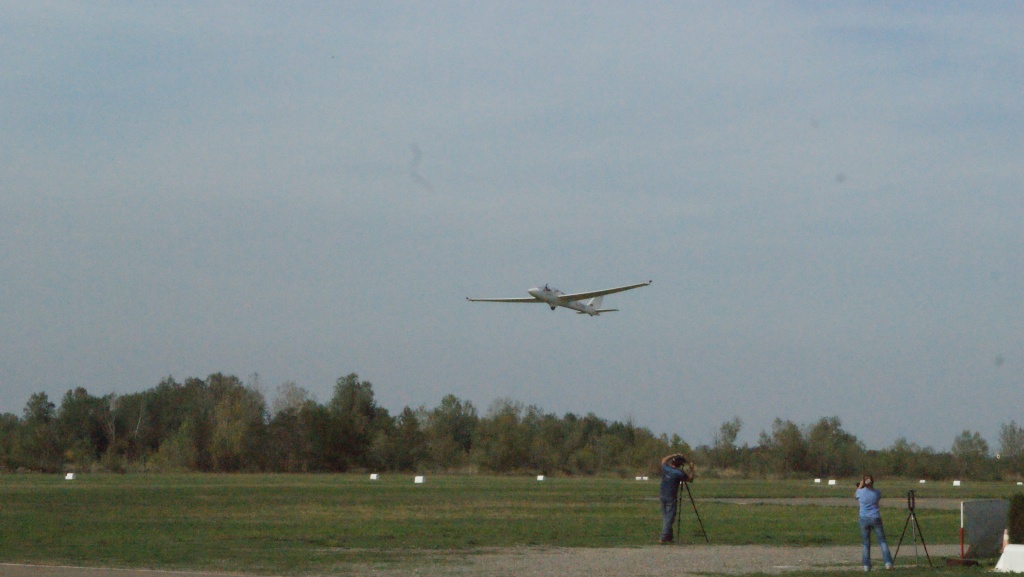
[670,480]
[869,498]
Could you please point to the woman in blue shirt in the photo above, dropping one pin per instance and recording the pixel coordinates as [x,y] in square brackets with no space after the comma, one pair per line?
[871,519]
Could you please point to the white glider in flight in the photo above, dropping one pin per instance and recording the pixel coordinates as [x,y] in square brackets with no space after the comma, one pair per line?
[555,298]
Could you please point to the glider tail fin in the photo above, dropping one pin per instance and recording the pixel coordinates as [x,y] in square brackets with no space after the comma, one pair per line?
[595,304]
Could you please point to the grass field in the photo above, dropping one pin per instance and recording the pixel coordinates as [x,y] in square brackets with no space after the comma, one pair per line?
[291,524]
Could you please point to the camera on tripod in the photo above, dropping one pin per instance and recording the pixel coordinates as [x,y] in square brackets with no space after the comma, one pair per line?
[915,529]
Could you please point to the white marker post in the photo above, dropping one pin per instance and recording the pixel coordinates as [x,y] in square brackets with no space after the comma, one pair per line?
[419,479]
[540,477]
[373,476]
[831,482]
[818,481]
[69,477]
[956,483]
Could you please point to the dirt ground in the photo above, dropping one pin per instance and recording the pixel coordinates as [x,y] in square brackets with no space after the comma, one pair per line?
[669,560]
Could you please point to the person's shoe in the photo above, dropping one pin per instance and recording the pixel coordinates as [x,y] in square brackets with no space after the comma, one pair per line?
[888,566]
[665,541]
[867,567]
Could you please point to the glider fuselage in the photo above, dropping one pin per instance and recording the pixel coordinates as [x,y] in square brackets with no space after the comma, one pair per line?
[555,298]
[551,296]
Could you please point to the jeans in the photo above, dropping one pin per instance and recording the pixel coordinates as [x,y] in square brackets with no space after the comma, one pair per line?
[866,525]
[668,516]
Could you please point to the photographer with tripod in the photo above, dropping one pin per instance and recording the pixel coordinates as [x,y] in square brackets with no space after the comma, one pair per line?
[672,475]
[871,519]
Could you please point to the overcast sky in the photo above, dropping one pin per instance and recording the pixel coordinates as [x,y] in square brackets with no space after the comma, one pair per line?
[828,199]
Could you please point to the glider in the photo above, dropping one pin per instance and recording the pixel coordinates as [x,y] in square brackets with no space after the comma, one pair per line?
[555,298]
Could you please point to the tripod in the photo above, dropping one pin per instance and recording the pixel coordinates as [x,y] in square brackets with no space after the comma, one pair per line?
[911,516]
[679,516]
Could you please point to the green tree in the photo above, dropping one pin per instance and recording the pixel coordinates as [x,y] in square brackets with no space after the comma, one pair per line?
[177,422]
[645,453]
[356,418]
[970,452]
[449,432]
[724,453]
[290,397]
[127,420]
[785,449]
[82,424]
[631,449]
[502,443]
[548,451]
[178,452]
[583,440]
[831,450]
[610,450]
[675,444]
[39,409]
[290,431]
[325,437]
[10,431]
[239,429]
[902,459]
[409,442]
[1011,447]
[40,446]
[170,406]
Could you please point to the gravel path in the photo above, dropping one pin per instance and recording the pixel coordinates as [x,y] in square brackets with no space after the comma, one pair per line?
[674,561]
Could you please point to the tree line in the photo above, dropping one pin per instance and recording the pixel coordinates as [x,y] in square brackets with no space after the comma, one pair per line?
[220,424]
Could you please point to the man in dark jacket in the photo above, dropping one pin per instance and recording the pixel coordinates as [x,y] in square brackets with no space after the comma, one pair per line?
[672,474]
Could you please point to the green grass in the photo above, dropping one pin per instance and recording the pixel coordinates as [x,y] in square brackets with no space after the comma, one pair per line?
[291,524]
